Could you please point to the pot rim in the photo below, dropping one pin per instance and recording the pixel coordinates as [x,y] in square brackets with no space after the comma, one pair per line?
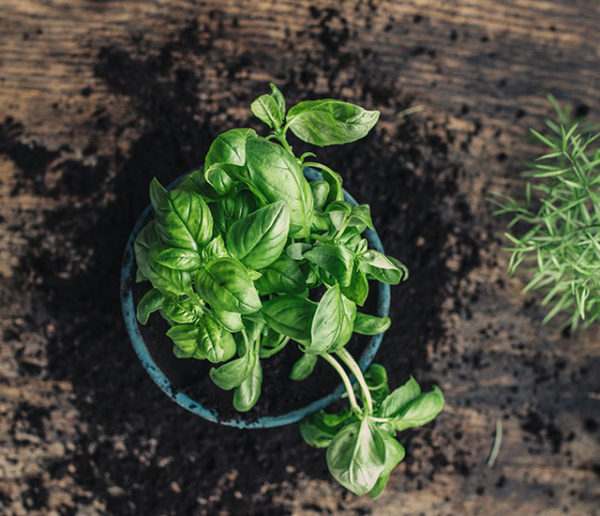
[182,399]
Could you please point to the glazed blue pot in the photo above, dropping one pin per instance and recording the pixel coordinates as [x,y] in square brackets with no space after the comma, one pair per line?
[128,270]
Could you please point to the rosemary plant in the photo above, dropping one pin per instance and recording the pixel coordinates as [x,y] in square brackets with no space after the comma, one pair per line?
[557,228]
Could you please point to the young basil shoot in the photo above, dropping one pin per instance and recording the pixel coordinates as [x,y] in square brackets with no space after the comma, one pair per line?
[236,254]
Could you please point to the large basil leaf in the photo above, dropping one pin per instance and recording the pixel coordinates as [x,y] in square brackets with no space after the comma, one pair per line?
[258,239]
[420,411]
[275,173]
[289,315]
[335,259]
[225,285]
[394,454]
[248,392]
[330,326]
[303,367]
[370,325]
[319,428]
[229,148]
[356,456]
[282,276]
[182,218]
[330,122]
[400,398]
[153,300]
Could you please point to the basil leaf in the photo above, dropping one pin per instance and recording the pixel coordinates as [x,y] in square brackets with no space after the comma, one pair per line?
[272,343]
[196,182]
[370,325]
[303,367]
[248,392]
[229,148]
[275,173]
[230,321]
[420,411]
[349,308]
[139,276]
[279,98]
[179,353]
[330,122]
[356,456]
[225,285]
[216,344]
[258,239]
[343,206]
[214,249]
[228,210]
[334,180]
[296,250]
[319,428]
[360,216]
[358,289]
[335,259]
[185,337]
[289,315]
[394,454]
[382,268]
[377,381]
[180,312]
[182,218]
[153,300]
[400,398]
[266,109]
[282,276]
[232,374]
[219,179]
[320,191]
[330,326]
[178,259]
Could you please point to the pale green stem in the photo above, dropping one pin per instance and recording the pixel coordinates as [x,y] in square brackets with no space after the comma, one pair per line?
[348,359]
[347,384]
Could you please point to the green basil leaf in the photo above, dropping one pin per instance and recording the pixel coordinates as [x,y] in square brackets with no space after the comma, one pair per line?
[400,398]
[272,343]
[179,353]
[214,249]
[303,367]
[358,289]
[178,259]
[356,456]
[219,179]
[320,191]
[225,285]
[330,326]
[282,276]
[343,206]
[232,374]
[334,180]
[360,216]
[320,428]
[335,259]
[296,250]
[153,300]
[139,276]
[228,210]
[275,173]
[349,308]
[230,321]
[248,392]
[185,337]
[182,218]
[279,98]
[321,222]
[382,268]
[229,148]
[180,312]
[420,411]
[330,122]
[365,324]
[196,182]
[258,239]
[266,109]
[377,381]
[290,316]
[216,344]
[394,454]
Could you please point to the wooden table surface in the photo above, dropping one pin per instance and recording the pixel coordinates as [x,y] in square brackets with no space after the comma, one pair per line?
[96,95]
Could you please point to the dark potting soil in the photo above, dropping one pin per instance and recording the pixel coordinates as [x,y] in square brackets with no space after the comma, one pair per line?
[279,395]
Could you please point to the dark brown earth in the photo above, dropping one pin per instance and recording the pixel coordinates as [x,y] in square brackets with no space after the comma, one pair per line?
[97,97]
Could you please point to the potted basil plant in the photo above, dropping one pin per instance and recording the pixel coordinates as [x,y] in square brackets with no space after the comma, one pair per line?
[246,257]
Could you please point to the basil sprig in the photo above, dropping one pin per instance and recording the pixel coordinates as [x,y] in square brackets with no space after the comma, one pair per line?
[246,255]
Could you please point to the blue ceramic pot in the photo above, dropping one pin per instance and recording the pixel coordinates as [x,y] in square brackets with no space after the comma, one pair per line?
[128,270]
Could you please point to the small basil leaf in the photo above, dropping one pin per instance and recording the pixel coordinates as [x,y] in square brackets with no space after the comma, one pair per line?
[330,326]
[334,180]
[266,109]
[319,428]
[214,343]
[185,337]
[400,398]
[349,310]
[232,374]
[343,206]
[139,276]
[218,178]
[258,239]
[282,276]
[179,353]
[178,259]
[358,289]
[230,321]
[303,367]
[296,250]
[153,300]
[180,312]
[228,210]
[377,381]
[290,316]
[225,285]
[335,259]
[248,392]
[279,98]
[320,222]
[330,122]
[420,411]
[272,343]
[382,268]
[360,216]
[182,218]
[196,182]
[229,147]
[214,249]
[275,173]
[356,456]
[320,190]
[370,325]
[394,454]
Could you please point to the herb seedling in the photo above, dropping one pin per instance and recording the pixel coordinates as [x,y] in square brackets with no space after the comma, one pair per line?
[560,221]
[239,251]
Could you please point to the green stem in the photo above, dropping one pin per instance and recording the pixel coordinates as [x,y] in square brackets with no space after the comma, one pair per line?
[280,137]
[340,370]
[348,359]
